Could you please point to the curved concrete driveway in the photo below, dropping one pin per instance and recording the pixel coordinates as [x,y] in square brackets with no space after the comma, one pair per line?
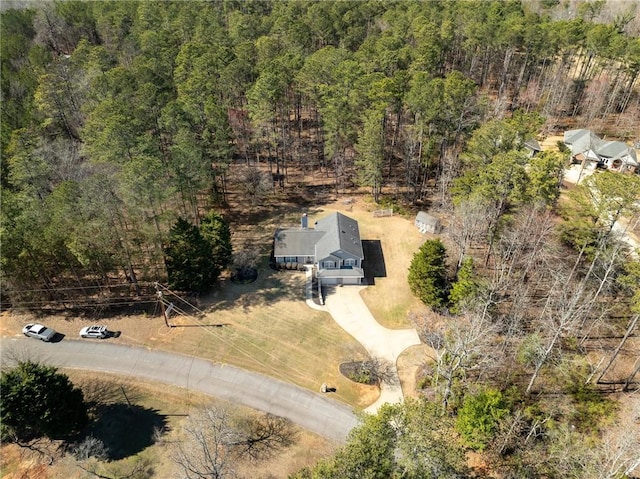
[349,310]
[318,414]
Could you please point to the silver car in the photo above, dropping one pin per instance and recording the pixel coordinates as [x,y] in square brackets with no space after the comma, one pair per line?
[99,332]
[38,331]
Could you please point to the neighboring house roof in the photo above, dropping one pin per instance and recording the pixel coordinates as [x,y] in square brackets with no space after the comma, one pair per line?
[580,141]
[533,144]
[341,234]
[617,149]
[611,149]
[586,143]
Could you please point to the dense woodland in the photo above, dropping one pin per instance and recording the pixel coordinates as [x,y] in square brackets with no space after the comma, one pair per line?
[120,117]
[125,121]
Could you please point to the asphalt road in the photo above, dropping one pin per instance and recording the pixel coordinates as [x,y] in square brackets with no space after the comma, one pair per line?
[312,411]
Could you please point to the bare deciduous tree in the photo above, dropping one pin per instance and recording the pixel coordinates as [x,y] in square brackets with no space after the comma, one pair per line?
[90,447]
[469,226]
[562,313]
[215,438]
[618,454]
[255,183]
[460,348]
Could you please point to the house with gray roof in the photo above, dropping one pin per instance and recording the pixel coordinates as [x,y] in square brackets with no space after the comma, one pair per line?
[588,147]
[333,246]
[533,147]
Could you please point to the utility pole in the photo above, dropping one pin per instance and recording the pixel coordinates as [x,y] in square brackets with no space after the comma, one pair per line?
[164,312]
[169,307]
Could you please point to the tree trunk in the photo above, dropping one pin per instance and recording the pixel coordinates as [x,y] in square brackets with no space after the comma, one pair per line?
[630,328]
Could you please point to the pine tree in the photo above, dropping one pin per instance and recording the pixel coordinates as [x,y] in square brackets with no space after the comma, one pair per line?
[371,153]
[215,230]
[466,287]
[190,266]
[428,273]
[38,401]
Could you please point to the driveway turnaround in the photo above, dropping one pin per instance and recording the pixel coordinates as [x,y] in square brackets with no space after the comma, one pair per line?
[309,410]
[349,310]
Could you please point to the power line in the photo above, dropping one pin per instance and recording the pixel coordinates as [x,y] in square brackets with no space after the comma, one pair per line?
[158,285]
[71,288]
[75,304]
[165,312]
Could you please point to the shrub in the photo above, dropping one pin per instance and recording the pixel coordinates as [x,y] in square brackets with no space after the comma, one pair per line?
[479,417]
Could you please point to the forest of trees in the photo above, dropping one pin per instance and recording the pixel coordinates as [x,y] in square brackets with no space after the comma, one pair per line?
[129,128]
[120,117]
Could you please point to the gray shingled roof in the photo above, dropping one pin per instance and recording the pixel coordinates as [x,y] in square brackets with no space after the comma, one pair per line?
[612,149]
[332,234]
[296,242]
[425,218]
[584,141]
[341,234]
[533,144]
[580,140]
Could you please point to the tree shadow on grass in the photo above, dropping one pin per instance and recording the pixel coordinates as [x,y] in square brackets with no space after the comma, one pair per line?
[126,430]
[271,286]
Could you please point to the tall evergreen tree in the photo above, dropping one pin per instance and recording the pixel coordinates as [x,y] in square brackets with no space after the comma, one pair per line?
[370,148]
[188,259]
[465,289]
[428,273]
[39,401]
[215,230]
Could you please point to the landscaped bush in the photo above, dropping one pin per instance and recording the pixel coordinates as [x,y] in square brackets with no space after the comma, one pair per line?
[358,371]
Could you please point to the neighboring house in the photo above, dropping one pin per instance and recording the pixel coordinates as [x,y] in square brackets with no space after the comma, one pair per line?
[587,147]
[533,147]
[616,155]
[333,247]
[427,223]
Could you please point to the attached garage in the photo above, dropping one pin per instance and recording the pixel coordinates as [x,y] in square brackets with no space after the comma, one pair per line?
[340,276]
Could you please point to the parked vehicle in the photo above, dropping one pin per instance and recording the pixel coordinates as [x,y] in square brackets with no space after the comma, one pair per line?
[95,331]
[38,331]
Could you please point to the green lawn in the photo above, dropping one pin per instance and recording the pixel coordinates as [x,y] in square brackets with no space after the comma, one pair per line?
[266,327]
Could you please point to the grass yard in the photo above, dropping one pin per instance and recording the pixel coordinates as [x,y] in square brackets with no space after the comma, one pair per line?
[264,326]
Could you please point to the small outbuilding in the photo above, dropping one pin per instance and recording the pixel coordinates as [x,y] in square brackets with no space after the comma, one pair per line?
[427,223]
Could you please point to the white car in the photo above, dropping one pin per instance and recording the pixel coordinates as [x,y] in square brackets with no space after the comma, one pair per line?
[38,331]
[99,332]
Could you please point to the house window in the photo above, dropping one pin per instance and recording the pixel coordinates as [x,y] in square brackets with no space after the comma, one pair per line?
[290,259]
[350,262]
[328,264]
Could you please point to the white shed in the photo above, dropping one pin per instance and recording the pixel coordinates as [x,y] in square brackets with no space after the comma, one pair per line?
[427,223]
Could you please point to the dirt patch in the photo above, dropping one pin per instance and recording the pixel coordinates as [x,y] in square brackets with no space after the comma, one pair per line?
[551,142]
